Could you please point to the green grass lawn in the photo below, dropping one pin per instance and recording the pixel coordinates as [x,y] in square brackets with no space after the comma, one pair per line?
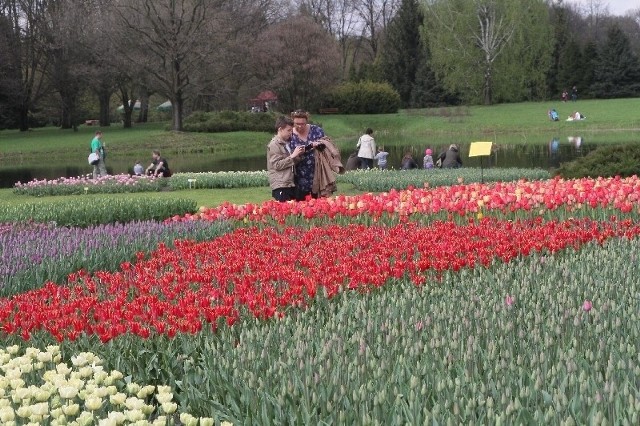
[608,121]
[203,197]
[511,122]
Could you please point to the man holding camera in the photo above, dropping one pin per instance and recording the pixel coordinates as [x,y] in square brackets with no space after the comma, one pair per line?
[281,159]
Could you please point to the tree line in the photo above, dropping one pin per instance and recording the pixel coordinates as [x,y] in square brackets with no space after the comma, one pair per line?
[62,59]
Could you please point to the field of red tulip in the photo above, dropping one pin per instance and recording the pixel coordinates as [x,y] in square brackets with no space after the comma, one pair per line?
[511,302]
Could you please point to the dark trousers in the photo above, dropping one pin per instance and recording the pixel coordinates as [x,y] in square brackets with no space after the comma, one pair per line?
[302,195]
[284,194]
[366,163]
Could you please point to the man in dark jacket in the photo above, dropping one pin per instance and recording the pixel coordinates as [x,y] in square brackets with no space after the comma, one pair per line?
[451,158]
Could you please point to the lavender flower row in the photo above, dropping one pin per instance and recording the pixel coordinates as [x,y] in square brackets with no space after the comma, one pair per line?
[32,253]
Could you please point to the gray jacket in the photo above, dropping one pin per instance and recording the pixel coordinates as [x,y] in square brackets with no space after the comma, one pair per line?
[279,164]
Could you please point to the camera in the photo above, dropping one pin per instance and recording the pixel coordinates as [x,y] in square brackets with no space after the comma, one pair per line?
[308,147]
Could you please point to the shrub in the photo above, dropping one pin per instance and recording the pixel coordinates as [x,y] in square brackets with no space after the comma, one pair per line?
[605,161]
[97,211]
[364,98]
[230,121]
[211,180]
[376,180]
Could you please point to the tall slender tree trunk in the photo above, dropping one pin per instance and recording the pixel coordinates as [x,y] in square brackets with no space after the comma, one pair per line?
[487,92]
[143,114]
[24,118]
[177,111]
[104,96]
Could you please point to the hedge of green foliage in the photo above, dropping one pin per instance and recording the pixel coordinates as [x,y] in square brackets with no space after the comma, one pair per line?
[230,121]
[605,161]
[214,180]
[376,180]
[364,98]
[96,211]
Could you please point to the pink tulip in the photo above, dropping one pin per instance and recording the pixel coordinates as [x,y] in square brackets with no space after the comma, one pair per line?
[586,306]
[509,300]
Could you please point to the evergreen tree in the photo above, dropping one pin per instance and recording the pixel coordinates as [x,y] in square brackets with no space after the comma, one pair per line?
[570,67]
[588,73]
[427,92]
[405,58]
[617,73]
[559,21]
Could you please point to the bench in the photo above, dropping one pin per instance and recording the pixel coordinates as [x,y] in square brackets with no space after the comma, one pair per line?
[92,122]
[328,110]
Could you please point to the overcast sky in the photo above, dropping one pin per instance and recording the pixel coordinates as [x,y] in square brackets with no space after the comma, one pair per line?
[616,7]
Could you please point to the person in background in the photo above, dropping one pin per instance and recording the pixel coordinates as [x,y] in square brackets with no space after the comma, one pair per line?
[138,170]
[281,160]
[306,135]
[574,93]
[427,162]
[408,162]
[381,156]
[553,114]
[352,162]
[99,169]
[451,157]
[367,150]
[159,167]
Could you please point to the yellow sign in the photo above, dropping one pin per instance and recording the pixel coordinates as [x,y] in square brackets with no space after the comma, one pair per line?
[479,149]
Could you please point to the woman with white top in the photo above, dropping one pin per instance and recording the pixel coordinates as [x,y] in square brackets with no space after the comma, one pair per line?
[367,151]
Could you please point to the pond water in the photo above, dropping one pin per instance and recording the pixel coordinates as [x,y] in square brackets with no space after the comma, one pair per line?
[546,155]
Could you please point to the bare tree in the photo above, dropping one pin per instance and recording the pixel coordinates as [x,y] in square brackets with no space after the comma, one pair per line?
[26,55]
[298,59]
[69,54]
[375,15]
[172,41]
[340,19]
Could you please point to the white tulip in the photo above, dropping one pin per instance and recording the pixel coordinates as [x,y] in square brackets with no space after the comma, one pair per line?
[13,373]
[79,360]
[68,392]
[160,421]
[164,397]
[85,419]
[164,389]
[45,357]
[93,403]
[133,388]
[133,403]
[117,416]
[42,395]
[63,369]
[169,407]
[206,421]
[16,383]
[40,409]
[134,415]
[70,409]
[24,411]
[7,414]
[118,398]
[85,372]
